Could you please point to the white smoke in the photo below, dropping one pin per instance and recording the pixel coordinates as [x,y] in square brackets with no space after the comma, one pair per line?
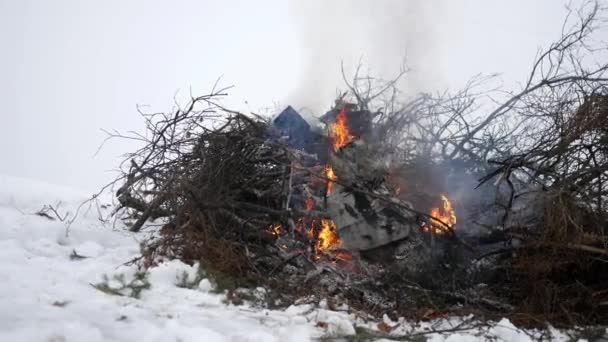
[379,34]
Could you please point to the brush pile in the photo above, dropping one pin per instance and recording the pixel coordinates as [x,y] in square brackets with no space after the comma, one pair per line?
[438,205]
[220,181]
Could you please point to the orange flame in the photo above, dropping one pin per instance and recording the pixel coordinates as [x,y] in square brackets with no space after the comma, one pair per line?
[339,130]
[446,214]
[324,234]
[331,176]
[275,229]
[327,238]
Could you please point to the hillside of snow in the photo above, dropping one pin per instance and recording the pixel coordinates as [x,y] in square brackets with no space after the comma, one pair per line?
[49,287]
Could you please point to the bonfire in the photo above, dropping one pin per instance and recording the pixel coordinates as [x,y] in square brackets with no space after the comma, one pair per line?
[394,208]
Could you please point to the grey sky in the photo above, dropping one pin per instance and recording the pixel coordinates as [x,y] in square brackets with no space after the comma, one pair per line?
[70,68]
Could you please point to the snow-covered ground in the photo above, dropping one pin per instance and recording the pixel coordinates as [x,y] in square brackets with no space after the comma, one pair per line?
[46,295]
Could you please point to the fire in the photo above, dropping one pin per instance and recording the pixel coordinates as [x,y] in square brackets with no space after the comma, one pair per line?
[324,234]
[331,176]
[339,130]
[275,229]
[327,238]
[446,214]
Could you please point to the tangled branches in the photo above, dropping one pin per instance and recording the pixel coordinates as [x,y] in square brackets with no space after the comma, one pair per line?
[215,177]
[221,181]
[540,155]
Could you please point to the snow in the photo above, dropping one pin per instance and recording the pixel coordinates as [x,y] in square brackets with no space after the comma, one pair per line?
[46,295]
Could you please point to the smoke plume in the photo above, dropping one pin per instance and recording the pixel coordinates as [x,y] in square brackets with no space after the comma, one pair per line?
[381,35]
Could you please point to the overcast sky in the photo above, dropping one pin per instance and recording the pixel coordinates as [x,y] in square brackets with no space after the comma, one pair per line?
[70,68]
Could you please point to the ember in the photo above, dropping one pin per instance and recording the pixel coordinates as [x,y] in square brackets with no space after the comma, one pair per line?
[309,203]
[275,229]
